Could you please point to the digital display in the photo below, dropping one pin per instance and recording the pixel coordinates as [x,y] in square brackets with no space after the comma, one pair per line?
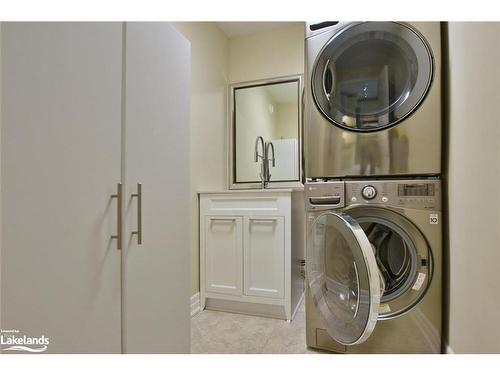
[416,190]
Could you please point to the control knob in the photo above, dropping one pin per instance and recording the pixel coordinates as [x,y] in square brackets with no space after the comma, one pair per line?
[369,192]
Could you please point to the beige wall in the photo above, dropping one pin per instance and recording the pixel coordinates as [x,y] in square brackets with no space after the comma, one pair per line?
[474,185]
[216,62]
[209,71]
[267,54]
[0,173]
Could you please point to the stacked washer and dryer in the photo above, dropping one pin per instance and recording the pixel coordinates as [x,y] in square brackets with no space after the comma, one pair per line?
[372,153]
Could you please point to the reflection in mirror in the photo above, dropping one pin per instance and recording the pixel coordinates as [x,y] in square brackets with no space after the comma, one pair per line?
[270,111]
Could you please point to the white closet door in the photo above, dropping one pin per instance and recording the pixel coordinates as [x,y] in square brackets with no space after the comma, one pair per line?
[60,162]
[156,273]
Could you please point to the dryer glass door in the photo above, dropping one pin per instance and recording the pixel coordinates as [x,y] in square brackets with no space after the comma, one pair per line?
[343,277]
[372,75]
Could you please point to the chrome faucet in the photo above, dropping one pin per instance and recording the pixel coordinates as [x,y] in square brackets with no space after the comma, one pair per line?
[273,160]
[265,175]
[260,140]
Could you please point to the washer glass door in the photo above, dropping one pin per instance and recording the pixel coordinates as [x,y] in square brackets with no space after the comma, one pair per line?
[403,257]
[343,277]
[372,75]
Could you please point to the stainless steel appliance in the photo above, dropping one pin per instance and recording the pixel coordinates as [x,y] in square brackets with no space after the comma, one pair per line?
[372,99]
[374,266]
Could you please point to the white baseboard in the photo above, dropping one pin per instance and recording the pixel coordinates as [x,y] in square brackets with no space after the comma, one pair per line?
[448,348]
[195,304]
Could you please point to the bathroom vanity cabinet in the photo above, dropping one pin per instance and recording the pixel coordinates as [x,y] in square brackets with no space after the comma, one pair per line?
[251,247]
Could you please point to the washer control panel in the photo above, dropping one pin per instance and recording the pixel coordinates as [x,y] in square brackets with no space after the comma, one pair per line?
[419,194]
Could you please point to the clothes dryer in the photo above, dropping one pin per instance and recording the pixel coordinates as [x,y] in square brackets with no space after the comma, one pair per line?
[372,99]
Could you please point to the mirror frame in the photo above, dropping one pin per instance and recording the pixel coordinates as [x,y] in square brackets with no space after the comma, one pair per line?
[231,140]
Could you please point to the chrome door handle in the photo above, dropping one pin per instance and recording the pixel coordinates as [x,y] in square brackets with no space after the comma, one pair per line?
[118,235]
[357,292]
[138,232]
[328,92]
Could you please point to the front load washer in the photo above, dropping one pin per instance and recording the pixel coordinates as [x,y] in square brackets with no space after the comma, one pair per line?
[372,102]
[373,266]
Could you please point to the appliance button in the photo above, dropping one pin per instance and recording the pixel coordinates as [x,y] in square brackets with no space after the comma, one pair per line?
[369,192]
[353,199]
[385,199]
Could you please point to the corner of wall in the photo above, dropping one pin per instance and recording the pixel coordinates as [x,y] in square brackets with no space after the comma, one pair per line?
[209,90]
[0,175]
[445,77]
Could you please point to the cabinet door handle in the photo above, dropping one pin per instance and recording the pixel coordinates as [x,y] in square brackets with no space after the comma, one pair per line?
[138,195]
[265,220]
[118,197]
[229,220]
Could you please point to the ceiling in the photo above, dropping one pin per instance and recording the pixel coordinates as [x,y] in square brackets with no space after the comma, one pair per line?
[235,29]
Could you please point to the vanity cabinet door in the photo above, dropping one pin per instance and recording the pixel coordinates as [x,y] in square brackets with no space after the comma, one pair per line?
[223,254]
[264,256]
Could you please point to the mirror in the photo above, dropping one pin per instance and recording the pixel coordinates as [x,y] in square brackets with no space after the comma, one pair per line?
[266,133]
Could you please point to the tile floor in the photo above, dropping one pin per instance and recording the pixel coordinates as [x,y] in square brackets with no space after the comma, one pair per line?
[217,332]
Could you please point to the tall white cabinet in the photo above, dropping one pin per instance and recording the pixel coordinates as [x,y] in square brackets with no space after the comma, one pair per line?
[89,111]
[156,273]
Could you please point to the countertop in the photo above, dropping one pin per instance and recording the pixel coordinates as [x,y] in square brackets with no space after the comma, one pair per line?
[251,191]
